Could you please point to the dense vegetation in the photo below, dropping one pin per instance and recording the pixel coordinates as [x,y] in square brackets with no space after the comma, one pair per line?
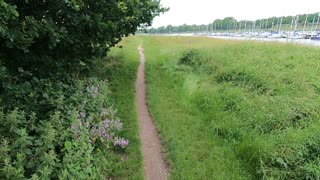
[55,129]
[235,110]
[57,109]
[230,23]
[42,36]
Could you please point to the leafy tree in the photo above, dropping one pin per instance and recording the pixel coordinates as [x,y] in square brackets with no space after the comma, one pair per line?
[39,35]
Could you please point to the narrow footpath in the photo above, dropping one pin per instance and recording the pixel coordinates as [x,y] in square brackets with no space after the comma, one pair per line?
[155,168]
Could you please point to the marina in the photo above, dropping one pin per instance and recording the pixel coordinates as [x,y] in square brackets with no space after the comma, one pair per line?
[298,29]
[291,40]
[281,40]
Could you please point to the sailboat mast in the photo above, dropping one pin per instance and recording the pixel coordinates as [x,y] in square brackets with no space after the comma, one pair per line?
[272,24]
[292,23]
[297,22]
[280,24]
[245,26]
[266,26]
[317,22]
[277,27]
[253,26]
[314,19]
[305,22]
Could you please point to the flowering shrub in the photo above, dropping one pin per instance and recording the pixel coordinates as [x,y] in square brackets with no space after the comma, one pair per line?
[103,131]
[120,142]
[53,129]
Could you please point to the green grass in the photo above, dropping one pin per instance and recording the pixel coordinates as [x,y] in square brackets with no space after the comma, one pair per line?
[239,110]
[121,71]
[192,150]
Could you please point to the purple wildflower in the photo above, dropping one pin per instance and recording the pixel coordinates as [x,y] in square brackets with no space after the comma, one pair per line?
[82,114]
[76,129]
[120,142]
[73,127]
[105,123]
[106,137]
[94,90]
[94,131]
[103,113]
[118,125]
[116,141]
[124,143]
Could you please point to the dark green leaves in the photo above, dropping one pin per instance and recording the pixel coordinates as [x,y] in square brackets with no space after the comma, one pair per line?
[51,36]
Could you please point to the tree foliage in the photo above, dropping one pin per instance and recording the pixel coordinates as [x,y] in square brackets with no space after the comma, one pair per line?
[38,35]
[55,125]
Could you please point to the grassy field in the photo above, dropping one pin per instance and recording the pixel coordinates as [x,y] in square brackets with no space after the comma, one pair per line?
[121,71]
[235,109]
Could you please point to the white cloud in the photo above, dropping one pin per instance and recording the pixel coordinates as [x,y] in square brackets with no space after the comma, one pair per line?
[206,11]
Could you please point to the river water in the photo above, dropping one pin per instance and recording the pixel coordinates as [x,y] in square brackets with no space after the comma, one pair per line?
[282,40]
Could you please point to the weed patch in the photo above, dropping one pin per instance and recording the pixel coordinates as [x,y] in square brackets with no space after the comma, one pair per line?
[244,80]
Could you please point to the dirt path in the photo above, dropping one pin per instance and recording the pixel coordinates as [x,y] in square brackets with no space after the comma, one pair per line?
[155,167]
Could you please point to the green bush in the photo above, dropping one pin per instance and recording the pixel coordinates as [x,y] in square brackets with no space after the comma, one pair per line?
[53,123]
[52,129]
[43,36]
[191,57]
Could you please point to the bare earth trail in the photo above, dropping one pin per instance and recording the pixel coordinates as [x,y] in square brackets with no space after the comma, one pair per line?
[155,168]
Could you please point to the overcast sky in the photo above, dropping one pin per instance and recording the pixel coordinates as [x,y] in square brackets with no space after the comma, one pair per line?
[206,11]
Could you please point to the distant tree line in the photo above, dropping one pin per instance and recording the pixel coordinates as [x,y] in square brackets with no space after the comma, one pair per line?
[231,24]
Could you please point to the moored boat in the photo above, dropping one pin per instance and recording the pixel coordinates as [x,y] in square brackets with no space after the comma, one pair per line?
[316,37]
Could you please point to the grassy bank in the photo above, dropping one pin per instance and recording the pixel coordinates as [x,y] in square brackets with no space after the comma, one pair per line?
[235,110]
[121,70]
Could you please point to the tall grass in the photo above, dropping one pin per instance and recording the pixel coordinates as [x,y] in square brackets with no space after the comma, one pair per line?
[229,109]
[120,68]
